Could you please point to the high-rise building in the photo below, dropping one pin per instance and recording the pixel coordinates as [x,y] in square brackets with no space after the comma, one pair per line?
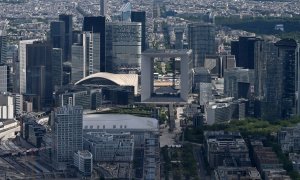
[18,101]
[94,43]
[83,160]
[125,12]
[102,7]
[57,67]
[67,134]
[179,38]
[244,51]
[124,45]
[238,82]
[78,63]
[201,39]
[277,78]
[5,79]
[23,63]
[91,53]
[57,34]
[3,49]
[67,19]
[140,16]
[39,74]
[264,52]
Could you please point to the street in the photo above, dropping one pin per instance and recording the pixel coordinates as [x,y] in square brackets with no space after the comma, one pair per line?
[200,162]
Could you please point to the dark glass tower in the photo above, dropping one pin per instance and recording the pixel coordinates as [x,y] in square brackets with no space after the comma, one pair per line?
[244,52]
[276,72]
[57,34]
[39,74]
[201,39]
[68,35]
[57,68]
[140,16]
[97,25]
[3,49]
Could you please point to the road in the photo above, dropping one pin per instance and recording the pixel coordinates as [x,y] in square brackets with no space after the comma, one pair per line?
[200,162]
[169,138]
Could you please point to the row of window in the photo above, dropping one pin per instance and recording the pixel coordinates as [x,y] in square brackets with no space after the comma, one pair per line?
[103,127]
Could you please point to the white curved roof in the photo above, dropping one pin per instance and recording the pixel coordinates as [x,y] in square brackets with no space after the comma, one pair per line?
[120,79]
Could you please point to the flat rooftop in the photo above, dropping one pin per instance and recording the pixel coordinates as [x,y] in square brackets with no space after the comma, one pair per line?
[119,121]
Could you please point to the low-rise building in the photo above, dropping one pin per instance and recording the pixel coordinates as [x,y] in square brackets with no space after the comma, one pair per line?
[31,131]
[295,159]
[289,139]
[146,138]
[226,109]
[110,147]
[249,173]
[224,147]
[275,174]
[6,107]
[266,160]
[191,109]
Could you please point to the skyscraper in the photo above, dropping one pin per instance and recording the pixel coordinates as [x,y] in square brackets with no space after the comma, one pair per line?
[276,75]
[244,51]
[3,49]
[140,16]
[124,45]
[78,63]
[67,19]
[102,7]
[23,63]
[178,38]
[201,39]
[125,12]
[57,34]
[5,79]
[39,74]
[67,134]
[57,67]
[94,43]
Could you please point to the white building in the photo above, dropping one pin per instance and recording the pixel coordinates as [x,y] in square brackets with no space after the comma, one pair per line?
[218,113]
[67,134]
[18,103]
[83,160]
[224,110]
[23,63]
[91,52]
[6,107]
[147,83]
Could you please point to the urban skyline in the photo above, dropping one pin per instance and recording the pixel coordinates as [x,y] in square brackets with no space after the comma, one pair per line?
[149,89]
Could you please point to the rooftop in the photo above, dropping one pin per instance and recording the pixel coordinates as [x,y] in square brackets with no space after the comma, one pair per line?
[84,154]
[119,121]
